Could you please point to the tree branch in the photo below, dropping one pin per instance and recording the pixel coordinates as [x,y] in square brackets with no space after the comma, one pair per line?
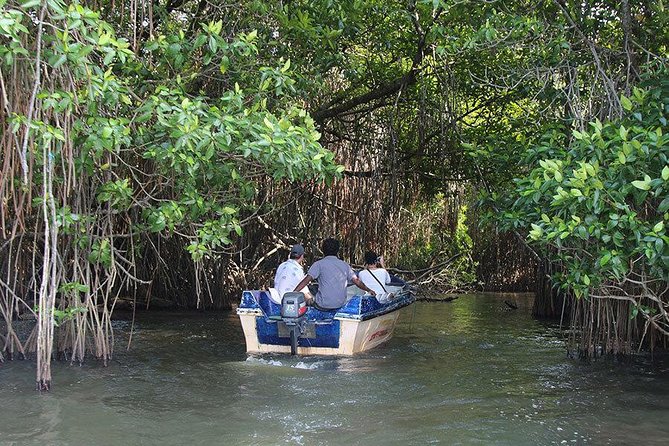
[385,90]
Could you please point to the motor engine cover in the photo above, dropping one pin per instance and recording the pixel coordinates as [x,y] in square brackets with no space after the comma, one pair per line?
[293,305]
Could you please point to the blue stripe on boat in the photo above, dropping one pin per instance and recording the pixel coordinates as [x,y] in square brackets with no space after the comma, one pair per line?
[327,334]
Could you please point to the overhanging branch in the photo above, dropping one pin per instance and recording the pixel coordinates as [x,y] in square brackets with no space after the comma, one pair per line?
[384,90]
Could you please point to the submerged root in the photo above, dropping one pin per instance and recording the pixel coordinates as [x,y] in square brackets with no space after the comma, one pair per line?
[43,385]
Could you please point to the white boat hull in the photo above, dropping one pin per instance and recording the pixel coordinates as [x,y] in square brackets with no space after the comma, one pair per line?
[355,336]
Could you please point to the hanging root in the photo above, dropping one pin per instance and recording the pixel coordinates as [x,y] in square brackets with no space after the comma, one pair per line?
[621,318]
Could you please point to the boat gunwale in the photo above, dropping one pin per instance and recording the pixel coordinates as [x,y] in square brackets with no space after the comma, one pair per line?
[403,299]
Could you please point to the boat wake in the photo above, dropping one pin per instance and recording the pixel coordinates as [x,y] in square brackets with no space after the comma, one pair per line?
[304,365]
[262,361]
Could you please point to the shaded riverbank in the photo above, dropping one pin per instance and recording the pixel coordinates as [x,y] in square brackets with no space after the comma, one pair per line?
[464,372]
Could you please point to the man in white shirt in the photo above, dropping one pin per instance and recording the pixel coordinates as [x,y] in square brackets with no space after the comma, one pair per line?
[290,273]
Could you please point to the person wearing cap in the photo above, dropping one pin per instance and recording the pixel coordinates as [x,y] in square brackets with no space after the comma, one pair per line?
[333,276]
[290,273]
[376,276]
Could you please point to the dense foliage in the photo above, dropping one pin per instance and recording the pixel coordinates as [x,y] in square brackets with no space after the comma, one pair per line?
[597,202]
[114,148]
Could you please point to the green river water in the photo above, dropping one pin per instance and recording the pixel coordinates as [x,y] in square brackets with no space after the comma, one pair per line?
[466,372]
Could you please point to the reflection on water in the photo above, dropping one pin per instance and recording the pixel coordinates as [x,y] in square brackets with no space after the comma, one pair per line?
[464,372]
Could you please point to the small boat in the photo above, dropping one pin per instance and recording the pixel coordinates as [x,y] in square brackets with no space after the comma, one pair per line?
[361,324]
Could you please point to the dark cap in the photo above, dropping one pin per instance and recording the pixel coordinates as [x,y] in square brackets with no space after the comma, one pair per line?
[296,251]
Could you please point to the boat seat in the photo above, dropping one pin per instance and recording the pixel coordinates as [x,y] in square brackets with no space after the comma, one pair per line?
[268,306]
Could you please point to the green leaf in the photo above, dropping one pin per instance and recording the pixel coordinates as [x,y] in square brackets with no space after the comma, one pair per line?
[658,227]
[664,205]
[641,184]
[107,132]
[623,133]
[536,232]
[109,57]
[268,123]
[225,63]
[605,259]
[213,44]
[659,245]
[30,4]
[60,61]
[104,39]
[216,27]
[626,103]
[665,173]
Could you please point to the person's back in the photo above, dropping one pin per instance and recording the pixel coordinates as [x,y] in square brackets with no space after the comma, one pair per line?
[290,272]
[333,276]
[375,279]
[375,276]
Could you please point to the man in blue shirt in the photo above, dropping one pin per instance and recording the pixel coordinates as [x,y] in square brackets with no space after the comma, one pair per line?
[333,275]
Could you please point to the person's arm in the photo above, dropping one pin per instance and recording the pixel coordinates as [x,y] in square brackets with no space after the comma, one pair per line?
[362,286]
[303,283]
[388,278]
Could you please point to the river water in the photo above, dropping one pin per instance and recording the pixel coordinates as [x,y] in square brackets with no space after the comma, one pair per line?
[461,373]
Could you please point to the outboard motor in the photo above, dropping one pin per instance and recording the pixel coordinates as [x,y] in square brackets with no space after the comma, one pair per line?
[293,314]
